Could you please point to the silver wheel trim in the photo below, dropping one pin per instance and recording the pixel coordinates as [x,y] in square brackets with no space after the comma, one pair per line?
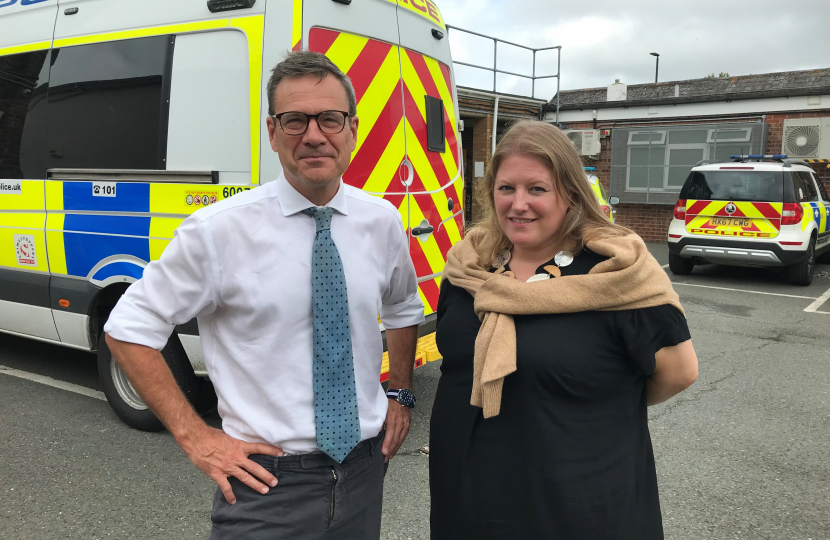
[125,388]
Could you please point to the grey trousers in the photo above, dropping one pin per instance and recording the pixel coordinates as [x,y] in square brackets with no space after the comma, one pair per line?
[316,498]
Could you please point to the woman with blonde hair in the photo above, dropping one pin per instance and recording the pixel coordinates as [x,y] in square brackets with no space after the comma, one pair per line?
[558,329]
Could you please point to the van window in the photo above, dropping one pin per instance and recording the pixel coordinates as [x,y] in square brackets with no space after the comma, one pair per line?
[760,186]
[435,124]
[24,79]
[108,105]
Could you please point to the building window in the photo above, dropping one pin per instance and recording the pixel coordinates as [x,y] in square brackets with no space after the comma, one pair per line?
[646,137]
[650,165]
[24,80]
[108,105]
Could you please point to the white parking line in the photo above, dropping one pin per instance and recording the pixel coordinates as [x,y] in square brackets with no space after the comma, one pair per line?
[813,308]
[49,381]
[665,266]
[748,291]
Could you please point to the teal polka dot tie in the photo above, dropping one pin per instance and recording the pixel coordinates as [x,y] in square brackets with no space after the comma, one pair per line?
[335,399]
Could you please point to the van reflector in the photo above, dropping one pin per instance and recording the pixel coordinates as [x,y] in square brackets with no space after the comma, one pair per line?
[63,302]
[791,214]
[791,243]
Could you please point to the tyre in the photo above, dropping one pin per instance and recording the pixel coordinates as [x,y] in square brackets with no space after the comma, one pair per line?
[124,399]
[680,266]
[205,403]
[802,272]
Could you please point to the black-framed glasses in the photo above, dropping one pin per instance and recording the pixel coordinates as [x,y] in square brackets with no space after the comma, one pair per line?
[296,123]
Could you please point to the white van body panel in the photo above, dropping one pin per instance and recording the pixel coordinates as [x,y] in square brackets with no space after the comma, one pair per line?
[104,16]
[22,25]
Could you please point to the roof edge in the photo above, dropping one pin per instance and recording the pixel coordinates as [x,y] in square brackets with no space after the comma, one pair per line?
[734,96]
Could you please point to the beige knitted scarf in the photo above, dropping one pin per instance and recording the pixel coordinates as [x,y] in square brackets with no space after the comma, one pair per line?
[631,278]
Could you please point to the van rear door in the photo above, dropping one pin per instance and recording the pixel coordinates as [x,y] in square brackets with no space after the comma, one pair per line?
[739,202]
[372,63]
[433,152]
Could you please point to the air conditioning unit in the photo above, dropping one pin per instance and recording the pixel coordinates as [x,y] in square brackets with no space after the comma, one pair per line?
[585,140]
[806,138]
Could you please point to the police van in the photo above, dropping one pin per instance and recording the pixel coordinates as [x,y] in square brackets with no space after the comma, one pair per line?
[119,119]
[758,210]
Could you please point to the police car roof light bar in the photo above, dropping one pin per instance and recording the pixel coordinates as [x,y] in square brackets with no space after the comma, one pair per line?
[589,168]
[758,156]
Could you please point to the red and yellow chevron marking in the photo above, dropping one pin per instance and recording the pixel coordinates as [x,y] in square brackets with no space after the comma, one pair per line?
[762,219]
[437,174]
[392,113]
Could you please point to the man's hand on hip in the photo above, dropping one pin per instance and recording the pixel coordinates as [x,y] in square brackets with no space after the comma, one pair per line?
[397,423]
[220,456]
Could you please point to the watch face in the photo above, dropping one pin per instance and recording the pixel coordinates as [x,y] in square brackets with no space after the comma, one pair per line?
[406,398]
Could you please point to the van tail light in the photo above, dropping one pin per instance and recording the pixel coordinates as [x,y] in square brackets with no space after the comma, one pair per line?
[680,209]
[792,214]
[607,210]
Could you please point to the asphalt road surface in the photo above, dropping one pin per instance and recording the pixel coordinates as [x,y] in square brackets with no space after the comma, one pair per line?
[744,453]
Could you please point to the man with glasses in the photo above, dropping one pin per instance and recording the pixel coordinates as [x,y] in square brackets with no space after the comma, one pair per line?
[287,282]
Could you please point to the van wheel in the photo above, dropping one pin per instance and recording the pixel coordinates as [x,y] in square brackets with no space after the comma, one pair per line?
[206,401]
[121,394]
[802,272]
[680,266]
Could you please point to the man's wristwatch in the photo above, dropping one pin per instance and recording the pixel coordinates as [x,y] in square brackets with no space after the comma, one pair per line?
[403,396]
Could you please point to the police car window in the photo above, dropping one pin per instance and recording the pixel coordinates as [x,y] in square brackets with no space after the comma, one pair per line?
[108,105]
[806,192]
[822,190]
[24,80]
[761,186]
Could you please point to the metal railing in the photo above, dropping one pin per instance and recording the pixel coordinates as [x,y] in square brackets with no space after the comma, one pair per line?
[533,78]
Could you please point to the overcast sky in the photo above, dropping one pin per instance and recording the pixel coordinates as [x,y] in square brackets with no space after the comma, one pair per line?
[603,40]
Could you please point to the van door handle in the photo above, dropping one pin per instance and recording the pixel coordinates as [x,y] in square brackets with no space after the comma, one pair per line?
[417,231]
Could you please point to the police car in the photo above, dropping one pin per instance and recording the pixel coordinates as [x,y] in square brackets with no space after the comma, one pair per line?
[605,202]
[758,210]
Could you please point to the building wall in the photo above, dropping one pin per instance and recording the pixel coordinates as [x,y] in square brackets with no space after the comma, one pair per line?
[651,221]
[482,144]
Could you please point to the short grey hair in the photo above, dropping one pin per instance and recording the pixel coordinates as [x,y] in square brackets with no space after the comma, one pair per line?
[301,63]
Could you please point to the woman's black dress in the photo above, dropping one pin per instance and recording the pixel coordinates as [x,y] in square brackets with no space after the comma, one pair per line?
[569,456]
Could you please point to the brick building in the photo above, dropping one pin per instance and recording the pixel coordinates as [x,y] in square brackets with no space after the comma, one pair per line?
[652,134]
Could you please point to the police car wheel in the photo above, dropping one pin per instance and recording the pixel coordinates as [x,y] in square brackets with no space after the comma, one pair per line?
[122,396]
[802,272]
[680,266]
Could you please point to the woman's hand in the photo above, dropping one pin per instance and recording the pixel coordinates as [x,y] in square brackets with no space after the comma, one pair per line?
[676,370]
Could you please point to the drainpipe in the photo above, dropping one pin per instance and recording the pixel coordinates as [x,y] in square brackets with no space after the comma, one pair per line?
[495,125]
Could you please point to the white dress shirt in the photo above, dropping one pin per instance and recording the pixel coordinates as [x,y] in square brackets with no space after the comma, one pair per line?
[243,267]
